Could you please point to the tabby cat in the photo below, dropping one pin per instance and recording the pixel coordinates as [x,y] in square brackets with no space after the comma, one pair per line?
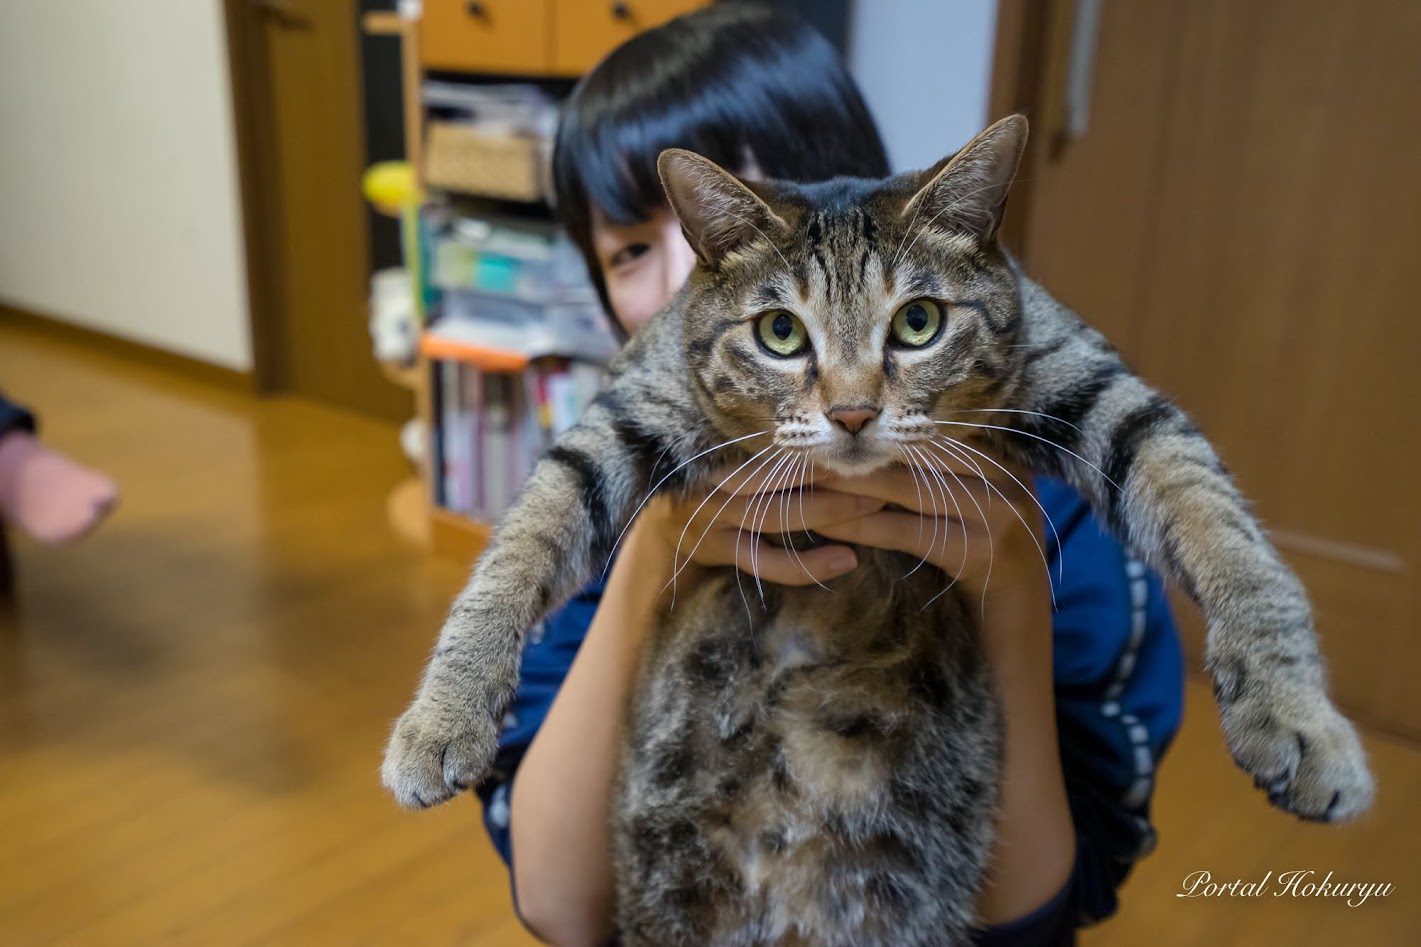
[821,766]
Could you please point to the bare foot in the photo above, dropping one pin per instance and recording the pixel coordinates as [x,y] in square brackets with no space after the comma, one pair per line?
[49,496]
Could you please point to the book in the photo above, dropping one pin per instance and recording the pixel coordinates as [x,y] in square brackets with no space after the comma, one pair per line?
[494,427]
[447,455]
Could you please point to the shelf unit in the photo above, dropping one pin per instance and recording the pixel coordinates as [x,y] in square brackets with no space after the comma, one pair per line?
[522,39]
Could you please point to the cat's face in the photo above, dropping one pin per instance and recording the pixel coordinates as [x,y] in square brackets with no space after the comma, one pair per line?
[844,319]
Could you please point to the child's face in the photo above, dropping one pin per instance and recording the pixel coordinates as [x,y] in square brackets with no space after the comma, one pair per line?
[643,264]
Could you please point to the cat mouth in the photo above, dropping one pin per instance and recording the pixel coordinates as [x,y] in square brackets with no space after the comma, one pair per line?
[855,457]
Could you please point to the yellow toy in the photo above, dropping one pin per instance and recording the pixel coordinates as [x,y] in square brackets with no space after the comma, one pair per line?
[391,187]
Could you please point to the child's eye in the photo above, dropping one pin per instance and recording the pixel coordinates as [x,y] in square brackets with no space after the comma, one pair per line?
[628,253]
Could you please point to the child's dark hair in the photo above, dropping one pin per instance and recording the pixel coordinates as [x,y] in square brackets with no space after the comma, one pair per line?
[732,82]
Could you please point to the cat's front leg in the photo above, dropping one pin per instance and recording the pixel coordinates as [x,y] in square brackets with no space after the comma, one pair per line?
[562,527]
[1162,489]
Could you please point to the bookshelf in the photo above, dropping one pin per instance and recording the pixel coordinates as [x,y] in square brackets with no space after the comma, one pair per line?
[539,41]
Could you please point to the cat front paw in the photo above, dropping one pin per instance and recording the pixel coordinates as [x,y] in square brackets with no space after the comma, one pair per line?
[437,751]
[1299,750]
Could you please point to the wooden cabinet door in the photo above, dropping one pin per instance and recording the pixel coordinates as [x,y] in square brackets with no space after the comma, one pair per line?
[1242,217]
[497,36]
[586,30]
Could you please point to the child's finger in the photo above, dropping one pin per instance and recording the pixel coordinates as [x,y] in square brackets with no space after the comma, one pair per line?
[902,532]
[758,478]
[783,567]
[916,489]
[788,511]
[892,485]
[937,492]
[720,546]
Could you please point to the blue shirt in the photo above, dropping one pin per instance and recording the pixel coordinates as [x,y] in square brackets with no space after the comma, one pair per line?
[1119,693]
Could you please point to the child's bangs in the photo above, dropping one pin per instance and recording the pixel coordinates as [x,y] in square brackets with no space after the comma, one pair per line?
[615,170]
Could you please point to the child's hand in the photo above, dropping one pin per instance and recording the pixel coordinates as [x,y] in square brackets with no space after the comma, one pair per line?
[985,531]
[723,526]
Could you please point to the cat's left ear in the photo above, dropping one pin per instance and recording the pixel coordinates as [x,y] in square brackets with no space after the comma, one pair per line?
[967,192]
[718,213]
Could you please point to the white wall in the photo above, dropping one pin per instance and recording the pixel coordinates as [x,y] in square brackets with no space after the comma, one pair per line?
[118,180]
[925,67]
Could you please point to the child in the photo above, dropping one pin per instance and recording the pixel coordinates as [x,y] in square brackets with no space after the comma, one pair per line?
[760,93]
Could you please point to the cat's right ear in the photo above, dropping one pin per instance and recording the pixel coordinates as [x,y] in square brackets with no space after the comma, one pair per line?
[966,192]
[718,214]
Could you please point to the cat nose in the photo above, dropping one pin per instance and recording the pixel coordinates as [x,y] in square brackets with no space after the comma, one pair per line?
[852,419]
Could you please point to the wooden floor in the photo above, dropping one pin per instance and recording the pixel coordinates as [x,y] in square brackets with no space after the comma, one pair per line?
[193,702]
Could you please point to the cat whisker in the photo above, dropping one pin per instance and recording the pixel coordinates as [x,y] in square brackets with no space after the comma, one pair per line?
[948,494]
[755,503]
[676,442]
[809,481]
[752,508]
[913,470]
[652,492]
[1036,437]
[940,511]
[676,565]
[765,503]
[945,494]
[1038,414]
[794,467]
[957,447]
[966,459]
[739,532]
[801,462]
[991,542]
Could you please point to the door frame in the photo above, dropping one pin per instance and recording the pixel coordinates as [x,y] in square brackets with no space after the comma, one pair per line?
[255,138]
[1024,62]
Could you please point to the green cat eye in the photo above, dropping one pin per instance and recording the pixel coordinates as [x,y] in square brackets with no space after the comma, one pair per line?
[782,333]
[915,324]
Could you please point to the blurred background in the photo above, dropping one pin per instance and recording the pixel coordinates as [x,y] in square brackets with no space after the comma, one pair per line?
[284,270]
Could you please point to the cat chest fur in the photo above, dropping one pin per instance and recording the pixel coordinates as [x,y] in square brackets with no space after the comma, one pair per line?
[818,769]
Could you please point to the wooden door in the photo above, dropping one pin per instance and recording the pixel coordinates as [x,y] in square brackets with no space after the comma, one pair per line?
[299,117]
[1243,216]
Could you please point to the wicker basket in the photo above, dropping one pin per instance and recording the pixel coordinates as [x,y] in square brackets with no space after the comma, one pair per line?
[470,161]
